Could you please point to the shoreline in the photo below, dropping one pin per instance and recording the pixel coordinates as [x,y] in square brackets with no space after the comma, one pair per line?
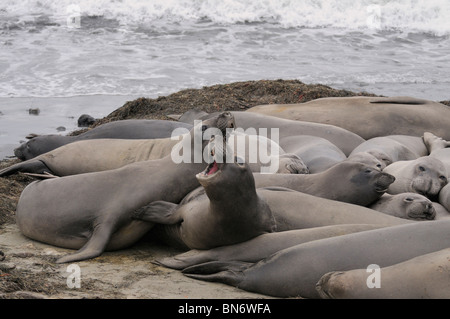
[28,269]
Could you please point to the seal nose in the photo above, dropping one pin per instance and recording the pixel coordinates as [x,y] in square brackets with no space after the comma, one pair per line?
[18,153]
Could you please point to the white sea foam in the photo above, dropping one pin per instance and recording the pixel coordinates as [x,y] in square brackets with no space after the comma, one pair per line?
[151,48]
[431,16]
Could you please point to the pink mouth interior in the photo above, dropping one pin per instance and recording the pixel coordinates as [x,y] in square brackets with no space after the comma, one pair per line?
[214,168]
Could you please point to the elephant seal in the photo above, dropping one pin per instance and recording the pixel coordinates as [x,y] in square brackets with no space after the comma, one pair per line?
[105,154]
[350,182]
[297,210]
[393,148]
[368,117]
[93,211]
[294,271]
[421,277]
[94,155]
[317,153]
[425,175]
[229,212]
[406,205]
[345,140]
[262,246]
[125,129]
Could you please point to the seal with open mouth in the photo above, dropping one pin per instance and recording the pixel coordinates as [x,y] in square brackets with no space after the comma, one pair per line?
[92,212]
[229,212]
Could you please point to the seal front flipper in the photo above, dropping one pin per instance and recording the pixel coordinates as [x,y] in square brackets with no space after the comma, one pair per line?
[159,212]
[32,166]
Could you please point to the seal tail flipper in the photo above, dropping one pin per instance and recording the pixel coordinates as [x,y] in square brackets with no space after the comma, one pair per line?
[322,286]
[94,247]
[159,212]
[184,260]
[32,166]
[45,175]
[227,272]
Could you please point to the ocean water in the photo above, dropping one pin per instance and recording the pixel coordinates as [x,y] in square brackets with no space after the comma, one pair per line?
[70,57]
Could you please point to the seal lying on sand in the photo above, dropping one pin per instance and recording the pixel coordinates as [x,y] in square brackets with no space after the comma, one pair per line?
[126,129]
[368,117]
[295,271]
[406,205]
[93,211]
[105,154]
[425,175]
[260,247]
[345,140]
[230,212]
[318,153]
[422,277]
[350,182]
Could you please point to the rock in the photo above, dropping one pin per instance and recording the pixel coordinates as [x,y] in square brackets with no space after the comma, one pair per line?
[7,266]
[35,111]
[85,120]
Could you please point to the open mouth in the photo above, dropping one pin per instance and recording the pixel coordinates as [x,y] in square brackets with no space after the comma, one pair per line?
[211,169]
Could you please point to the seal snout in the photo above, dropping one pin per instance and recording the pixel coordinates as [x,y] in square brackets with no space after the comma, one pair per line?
[383,182]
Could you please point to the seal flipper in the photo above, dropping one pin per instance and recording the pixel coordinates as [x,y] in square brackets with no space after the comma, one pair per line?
[32,166]
[160,212]
[184,260]
[94,247]
[227,272]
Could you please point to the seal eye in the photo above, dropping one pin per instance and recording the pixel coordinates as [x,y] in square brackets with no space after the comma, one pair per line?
[421,168]
[368,171]
[409,199]
[443,178]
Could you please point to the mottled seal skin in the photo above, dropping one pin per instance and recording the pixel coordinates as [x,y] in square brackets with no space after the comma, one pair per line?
[93,211]
[294,271]
[369,117]
[262,246]
[406,205]
[345,140]
[229,212]
[350,182]
[425,175]
[422,277]
[393,148]
[318,153]
[125,129]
